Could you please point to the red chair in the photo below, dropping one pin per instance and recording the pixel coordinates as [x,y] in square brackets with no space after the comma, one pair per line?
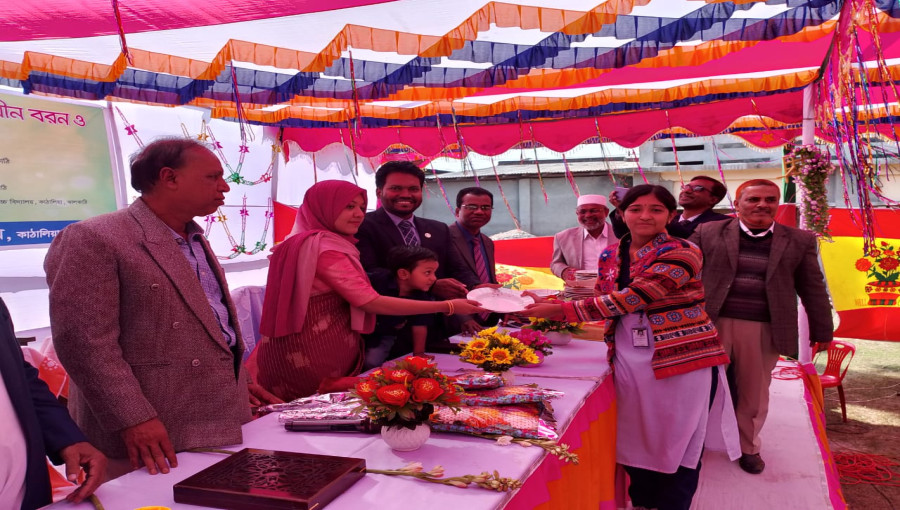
[834,374]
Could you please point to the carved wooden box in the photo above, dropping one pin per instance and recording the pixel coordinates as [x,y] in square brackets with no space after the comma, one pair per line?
[254,479]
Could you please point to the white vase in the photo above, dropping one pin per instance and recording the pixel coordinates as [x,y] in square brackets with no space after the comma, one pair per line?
[558,337]
[403,439]
[509,377]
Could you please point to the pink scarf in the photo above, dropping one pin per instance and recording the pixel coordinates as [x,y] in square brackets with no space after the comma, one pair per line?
[292,268]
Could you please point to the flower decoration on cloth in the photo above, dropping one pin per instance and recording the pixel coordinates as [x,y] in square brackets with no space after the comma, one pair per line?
[496,351]
[810,167]
[881,263]
[545,325]
[534,339]
[405,394]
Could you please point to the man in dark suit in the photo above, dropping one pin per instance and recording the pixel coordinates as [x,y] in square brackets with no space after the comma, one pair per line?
[36,425]
[697,198]
[398,185]
[753,271]
[474,207]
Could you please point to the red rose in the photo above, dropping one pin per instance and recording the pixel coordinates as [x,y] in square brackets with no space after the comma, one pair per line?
[863,265]
[426,389]
[399,375]
[417,363]
[366,389]
[393,395]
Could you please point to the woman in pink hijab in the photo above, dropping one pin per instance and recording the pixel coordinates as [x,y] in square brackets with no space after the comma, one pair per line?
[319,300]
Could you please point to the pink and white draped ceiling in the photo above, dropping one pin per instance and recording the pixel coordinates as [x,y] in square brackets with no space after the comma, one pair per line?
[488,75]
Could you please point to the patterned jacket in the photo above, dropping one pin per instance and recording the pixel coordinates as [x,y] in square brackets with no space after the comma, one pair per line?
[665,284]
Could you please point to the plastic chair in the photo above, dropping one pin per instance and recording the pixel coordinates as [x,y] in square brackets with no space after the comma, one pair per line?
[834,374]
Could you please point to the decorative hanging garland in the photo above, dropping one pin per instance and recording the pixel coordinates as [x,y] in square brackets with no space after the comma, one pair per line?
[502,194]
[809,168]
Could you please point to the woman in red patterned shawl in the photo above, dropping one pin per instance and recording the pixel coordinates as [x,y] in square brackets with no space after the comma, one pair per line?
[671,398]
[318,298]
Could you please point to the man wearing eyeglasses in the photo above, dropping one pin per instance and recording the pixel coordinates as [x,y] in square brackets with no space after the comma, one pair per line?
[398,185]
[697,199]
[474,207]
[579,248]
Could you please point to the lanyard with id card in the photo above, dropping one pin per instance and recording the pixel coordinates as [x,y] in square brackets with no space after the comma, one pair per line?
[640,337]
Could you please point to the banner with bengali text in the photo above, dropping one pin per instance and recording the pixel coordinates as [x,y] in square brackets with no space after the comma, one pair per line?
[55,168]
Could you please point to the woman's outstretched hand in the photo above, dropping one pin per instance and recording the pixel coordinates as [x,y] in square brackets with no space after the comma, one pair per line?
[544,311]
[466,307]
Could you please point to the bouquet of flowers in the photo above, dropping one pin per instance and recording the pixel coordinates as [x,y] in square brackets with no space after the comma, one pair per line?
[496,351]
[545,325]
[405,394]
[534,339]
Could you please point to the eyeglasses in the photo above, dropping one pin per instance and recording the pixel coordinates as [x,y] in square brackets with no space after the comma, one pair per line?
[473,207]
[694,187]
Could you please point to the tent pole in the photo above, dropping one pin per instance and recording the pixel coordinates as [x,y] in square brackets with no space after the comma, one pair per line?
[807,137]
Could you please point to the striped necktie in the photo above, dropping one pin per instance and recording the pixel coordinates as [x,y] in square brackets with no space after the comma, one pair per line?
[409,236]
[480,268]
[480,265]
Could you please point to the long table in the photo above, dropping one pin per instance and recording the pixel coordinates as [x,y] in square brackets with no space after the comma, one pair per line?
[585,416]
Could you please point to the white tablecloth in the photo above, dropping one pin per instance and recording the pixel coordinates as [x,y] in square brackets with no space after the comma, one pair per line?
[458,454]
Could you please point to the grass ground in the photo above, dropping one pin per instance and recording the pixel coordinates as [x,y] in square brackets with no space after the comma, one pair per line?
[872,391]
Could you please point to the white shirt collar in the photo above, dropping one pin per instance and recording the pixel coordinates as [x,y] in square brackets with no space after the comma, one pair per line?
[747,230]
[585,234]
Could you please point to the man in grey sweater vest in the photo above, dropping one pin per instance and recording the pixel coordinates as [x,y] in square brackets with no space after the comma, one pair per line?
[753,271]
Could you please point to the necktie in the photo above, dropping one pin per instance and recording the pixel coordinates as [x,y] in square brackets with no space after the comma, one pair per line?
[480,268]
[480,265]
[409,236]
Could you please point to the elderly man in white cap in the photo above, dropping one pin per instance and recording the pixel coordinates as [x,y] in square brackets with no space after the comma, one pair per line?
[579,248]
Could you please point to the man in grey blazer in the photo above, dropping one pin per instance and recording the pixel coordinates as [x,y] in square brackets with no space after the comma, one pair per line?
[474,208]
[753,271]
[580,247]
[142,319]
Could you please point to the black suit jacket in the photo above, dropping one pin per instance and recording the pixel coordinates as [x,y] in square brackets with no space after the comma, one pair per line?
[674,228]
[45,422]
[378,234]
[463,250]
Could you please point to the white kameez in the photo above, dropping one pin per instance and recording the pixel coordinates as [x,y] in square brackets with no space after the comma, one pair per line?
[664,423]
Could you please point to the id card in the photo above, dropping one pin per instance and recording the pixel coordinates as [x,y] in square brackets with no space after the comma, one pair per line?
[640,338]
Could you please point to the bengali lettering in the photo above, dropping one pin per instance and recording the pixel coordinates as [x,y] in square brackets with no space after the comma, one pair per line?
[10,112]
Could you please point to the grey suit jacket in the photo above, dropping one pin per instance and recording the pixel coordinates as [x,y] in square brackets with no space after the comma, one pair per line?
[133,328]
[793,270]
[464,252]
[568,249]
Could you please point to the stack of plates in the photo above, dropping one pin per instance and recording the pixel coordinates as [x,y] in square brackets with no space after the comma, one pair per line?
[583,286]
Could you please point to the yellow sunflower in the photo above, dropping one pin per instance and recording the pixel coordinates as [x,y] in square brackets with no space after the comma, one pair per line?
[501,356]
[486,333]
[530,357]
[477,344]
[476,357]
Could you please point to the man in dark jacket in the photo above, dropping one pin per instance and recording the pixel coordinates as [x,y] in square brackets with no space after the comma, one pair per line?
[697,198]
[42,427]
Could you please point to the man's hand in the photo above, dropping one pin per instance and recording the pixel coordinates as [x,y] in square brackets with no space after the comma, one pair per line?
[470,327]
[568,274]
[259,396]
[148,442]
[83,455]
[448,288]
[614,198]
[819,346]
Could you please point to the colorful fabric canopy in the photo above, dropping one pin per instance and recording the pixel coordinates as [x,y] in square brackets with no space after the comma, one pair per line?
[618,69]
